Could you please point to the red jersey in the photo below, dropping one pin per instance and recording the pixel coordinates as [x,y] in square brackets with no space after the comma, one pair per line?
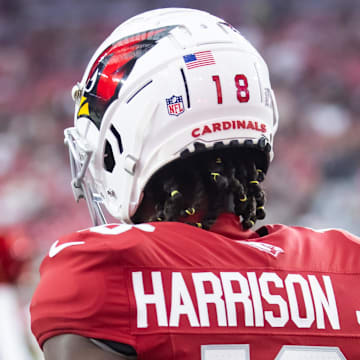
[173,291]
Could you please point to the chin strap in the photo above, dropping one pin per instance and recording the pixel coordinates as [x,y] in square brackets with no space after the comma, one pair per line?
[80,157]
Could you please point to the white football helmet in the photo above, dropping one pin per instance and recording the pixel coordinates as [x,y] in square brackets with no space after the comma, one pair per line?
[164,84]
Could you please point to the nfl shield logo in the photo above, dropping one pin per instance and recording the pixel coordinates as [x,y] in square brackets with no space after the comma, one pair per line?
[175,105]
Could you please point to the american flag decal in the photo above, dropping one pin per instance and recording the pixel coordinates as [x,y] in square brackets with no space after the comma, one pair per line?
[198,59]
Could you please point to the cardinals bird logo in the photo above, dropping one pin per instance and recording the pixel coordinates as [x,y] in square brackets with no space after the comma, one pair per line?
[111,69]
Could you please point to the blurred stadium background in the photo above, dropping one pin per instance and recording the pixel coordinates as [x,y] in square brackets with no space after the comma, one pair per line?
[312,49]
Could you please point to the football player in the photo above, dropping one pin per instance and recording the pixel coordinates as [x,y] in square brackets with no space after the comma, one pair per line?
[174,125]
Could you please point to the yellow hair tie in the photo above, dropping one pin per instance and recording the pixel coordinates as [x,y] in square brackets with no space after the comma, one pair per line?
[243,199]
[174,192]
[252,222]
[261,207]
[254,182]
[259,170]
[199,225]
[159,219]
[218,160]
[190,211]
[215,174]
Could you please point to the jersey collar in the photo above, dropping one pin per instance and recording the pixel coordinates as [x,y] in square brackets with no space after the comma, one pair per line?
[228,224]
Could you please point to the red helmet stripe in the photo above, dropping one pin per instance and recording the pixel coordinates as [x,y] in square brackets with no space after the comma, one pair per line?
[114,64]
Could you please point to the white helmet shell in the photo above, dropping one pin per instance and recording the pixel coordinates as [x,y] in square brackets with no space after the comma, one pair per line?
[166,83]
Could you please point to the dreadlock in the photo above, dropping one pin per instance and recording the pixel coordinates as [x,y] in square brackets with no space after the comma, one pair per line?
[180,188]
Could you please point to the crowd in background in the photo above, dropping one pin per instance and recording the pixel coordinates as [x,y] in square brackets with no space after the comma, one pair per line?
[313,52]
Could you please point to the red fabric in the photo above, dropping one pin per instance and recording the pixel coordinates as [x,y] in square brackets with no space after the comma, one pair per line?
[15,253]
[89,289]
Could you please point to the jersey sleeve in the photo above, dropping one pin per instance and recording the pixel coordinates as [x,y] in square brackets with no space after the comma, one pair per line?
[82,292]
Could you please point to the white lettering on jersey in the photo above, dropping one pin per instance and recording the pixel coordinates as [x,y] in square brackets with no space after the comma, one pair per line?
[357,312]
[117,229]
[142,299]
[232,298]
[324,302]
[290,282]
[204,298]
[283,318]
[181,303]
[249,291]
[256,298]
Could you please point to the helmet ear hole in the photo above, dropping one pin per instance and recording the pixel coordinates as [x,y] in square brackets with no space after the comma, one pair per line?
[109,160]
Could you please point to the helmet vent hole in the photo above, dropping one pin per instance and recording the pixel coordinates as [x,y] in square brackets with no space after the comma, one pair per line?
[109,161]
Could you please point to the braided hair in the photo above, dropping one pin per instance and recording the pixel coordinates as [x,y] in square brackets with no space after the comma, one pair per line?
[181,188]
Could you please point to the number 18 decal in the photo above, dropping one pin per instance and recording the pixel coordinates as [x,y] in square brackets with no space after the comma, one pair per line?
[242,88]
[287,352]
